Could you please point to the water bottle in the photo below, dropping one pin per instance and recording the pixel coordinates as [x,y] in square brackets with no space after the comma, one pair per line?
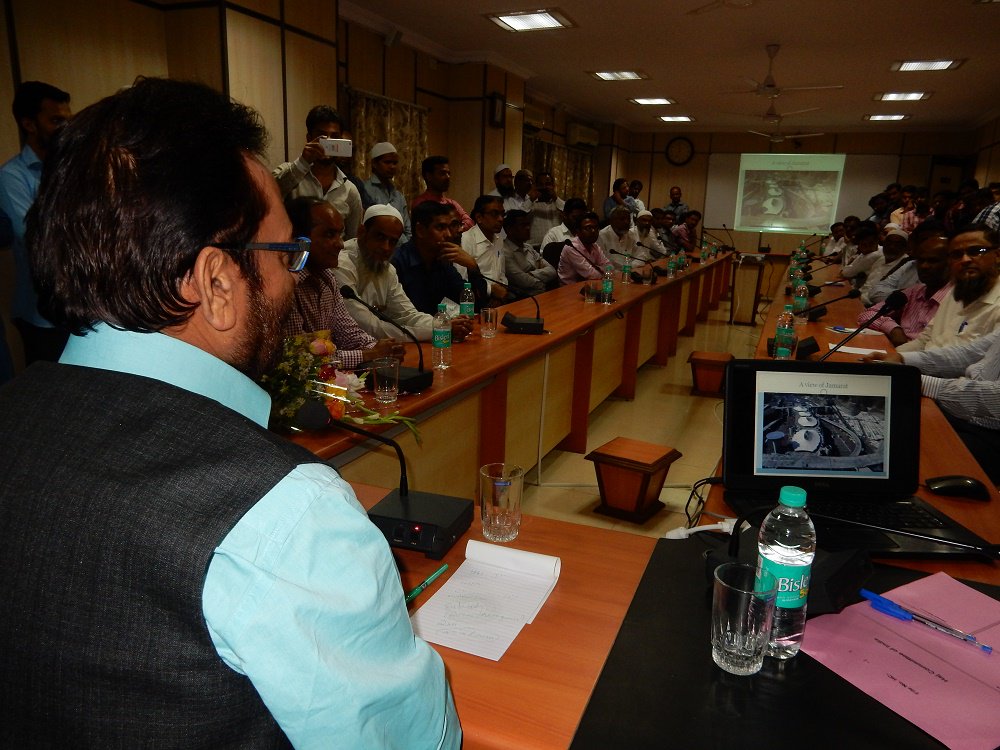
[784,335]
[800,302]
[626,272]
[782,353]
[441,357]
[795,276]
[704,251]
[786,547]
[467,301]
[608,285]
[671,269]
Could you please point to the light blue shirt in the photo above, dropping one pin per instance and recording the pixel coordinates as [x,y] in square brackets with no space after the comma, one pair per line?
[392,197]
[19,179]
[302,595]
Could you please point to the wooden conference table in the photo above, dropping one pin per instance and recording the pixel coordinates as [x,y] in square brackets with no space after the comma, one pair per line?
[516,397]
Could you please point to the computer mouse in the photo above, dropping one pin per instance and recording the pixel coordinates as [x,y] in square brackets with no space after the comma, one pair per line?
[955,485]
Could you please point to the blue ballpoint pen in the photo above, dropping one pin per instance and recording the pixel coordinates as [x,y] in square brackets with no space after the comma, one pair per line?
[889,607]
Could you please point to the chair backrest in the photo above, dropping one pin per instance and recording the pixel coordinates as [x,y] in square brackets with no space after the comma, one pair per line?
[551,253]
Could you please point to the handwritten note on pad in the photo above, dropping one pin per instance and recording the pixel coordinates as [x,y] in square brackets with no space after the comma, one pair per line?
[483,606]
[947,687]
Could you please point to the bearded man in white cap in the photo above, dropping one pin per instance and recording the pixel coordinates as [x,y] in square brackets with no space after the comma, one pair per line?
[503,178]
[385,164]
[364,266]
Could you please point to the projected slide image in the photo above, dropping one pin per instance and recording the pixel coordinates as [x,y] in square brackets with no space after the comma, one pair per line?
[821,434]
[791,198]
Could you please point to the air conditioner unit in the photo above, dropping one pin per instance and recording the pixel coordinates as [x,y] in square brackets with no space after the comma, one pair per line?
[581,135]
[534,117]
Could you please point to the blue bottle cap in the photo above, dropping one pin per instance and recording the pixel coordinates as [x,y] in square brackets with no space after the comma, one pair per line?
[793,497]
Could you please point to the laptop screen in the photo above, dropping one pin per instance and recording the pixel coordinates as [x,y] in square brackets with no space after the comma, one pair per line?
[834,428]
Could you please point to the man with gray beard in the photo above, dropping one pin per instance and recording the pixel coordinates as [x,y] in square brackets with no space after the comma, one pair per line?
[364,266]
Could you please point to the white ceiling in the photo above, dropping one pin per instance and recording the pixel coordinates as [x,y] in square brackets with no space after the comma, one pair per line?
[696,58]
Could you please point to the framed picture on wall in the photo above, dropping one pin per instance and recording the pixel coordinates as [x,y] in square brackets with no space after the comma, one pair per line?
[498,109]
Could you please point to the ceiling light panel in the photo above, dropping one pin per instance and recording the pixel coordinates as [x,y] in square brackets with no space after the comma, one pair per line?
[907,66]
[886,118]
[532,20]
[903,96]
[618,75]
[677,118]
[653,101]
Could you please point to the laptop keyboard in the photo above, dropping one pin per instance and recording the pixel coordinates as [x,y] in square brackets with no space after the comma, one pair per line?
[894,515]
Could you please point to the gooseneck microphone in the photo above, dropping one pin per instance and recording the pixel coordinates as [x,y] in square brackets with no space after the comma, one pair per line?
[895,301]
[410,380]
[516,324]
[818,311]
[732,243]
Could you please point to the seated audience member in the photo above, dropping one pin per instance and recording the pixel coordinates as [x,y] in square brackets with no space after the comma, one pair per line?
[650,246]
[380,187]
[573,211]
[485,245]
[546,214]
[677,207]
[426,264]
[364,266]
[634,191]
[619,197]
[663,222]
[881,209]
[907,198]
[619,237]
[851,225]
[904,273]
[964,380]
[184,577]
[866,254]
[941,204]
[893,251]
[834,246]
[962,212]
[973,307]
[894,195]
[436,172]
[527,271]
[521,200]
[583,258]
[317,175]
[318,304]
[922,299]
[990,216]
[503,179]
[686,232]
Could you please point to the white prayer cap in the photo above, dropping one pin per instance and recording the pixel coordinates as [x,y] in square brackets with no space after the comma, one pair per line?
[644,213]
[890,225]
[381,149]
[500,168]
[381,209]
[897,233]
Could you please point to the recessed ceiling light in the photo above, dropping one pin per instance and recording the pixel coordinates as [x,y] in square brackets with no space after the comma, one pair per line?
[677,118]
[532,20]
[983,2]
[911,65]
[902,96]
[618,75]
[654,100]
[886,118]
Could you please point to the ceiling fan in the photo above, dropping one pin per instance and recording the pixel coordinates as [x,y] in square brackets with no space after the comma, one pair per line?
[772,90]
[778,137]
[773,117]
[720,4]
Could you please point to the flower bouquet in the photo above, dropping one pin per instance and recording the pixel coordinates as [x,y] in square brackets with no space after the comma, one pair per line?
[308,369]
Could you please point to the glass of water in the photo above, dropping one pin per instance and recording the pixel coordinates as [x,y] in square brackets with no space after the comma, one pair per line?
[742,612]
[500,487]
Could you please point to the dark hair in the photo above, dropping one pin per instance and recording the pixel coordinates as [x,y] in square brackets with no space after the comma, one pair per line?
[992,235]
[866,230]
[927,228]
[574,204]
[836,224]
[892,185]
[876,198]
[428,165]
[617,184]
[300,213]
[543,173]
[482,202]
[29,97]
[688,214]
[323,113]
[513,215]
[589,216]
[120,218]
[424,213]
[634,183]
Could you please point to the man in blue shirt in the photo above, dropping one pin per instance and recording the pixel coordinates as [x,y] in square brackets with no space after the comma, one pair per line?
[380,187]
[183,577]
[40,111]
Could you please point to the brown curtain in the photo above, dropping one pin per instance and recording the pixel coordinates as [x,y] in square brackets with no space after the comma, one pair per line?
[571,168]
[377,118]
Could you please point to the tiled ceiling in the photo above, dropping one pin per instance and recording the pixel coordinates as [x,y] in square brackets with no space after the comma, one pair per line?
[699,59]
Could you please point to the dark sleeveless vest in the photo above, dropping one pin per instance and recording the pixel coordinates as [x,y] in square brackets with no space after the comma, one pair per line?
[114,491]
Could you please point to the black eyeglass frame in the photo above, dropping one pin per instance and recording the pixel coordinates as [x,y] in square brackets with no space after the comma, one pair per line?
[297,251]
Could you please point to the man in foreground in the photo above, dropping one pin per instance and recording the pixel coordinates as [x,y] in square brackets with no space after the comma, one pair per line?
[180,576]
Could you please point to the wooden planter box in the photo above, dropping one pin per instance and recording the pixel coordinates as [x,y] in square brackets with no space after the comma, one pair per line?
[630,474]
[708,372]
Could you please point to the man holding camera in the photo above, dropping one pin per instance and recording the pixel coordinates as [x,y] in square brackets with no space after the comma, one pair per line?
[316,174]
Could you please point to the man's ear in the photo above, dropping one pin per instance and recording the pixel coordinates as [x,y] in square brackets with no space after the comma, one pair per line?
[215,283]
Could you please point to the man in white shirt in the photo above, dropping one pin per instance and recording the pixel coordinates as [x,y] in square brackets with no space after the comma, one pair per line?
[364,266]
[573,211]
[316,174]
[521,200]
[503,179]
[484,243]
[892,251]
[836,242]
[527,271]
[547,211]
[617,238]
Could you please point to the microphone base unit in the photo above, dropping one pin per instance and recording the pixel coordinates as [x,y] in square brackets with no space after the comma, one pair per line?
[516,324]
[412,380]
[422,521]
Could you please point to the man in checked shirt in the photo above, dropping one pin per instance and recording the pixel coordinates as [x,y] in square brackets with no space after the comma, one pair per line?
[318,303]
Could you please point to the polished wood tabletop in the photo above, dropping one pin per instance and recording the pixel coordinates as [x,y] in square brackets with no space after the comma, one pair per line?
[534,696]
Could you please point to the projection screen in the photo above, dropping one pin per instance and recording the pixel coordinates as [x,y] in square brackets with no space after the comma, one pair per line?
[788,192]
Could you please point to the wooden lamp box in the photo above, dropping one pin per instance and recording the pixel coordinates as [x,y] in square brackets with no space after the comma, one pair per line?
[708,372]
[630,474]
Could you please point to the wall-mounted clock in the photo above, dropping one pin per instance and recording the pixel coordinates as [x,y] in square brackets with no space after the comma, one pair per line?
[679,151]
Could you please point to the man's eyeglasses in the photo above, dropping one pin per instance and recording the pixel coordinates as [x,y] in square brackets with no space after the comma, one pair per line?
[972,252]
[297,251]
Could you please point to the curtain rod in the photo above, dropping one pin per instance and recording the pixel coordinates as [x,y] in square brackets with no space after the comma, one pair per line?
[371,95]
